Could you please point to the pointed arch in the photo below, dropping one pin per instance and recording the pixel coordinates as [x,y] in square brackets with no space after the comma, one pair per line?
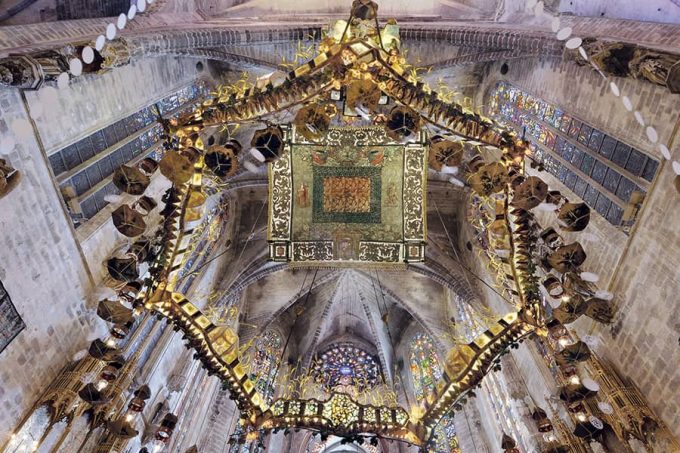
[265,362]
[424,364]
[426,371]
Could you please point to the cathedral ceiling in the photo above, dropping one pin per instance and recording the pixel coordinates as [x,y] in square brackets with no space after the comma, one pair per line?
[18,12]
[337,196]
[270,294]
[346,197]
[502,10]
[360,307]
[357,194]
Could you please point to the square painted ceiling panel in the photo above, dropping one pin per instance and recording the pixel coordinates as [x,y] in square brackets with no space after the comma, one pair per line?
[354,197]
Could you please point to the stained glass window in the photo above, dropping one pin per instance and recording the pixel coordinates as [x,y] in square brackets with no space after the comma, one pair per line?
[267,354]
[505,412]
[84,169]
[263,368]
[426,370]
[11,323]
[468,324]
[425,367]
[598,168]
[346,364]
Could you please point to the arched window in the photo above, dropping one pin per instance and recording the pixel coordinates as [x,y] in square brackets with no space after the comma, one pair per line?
[469,324]
[601,170]
[264,364]
[265,361]
[425,367]
[345,364]
[426,370]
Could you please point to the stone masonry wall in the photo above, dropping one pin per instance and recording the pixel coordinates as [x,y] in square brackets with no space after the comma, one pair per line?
[48,272]
[96,101]
[641,269]
[45,274]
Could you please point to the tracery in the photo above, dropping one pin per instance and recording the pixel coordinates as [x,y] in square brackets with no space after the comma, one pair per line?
[346,365]
[426,371]
[265,362]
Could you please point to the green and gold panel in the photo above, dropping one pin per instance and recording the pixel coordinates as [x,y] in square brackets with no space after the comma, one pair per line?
[346,194]
[353,197]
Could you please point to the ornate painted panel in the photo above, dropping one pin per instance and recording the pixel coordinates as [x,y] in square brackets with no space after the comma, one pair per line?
[354,197]
[11,323]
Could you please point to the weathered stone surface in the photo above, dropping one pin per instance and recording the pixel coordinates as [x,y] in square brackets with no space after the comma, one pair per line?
[49,271]
[43,269]
[641,269]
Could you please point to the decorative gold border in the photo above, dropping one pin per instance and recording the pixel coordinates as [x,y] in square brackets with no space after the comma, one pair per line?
[414,184]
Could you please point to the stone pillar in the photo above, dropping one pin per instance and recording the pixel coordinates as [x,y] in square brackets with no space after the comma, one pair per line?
[503,398]
[219,423]
[469,430]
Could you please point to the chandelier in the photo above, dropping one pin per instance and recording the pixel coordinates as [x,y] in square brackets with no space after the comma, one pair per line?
[361,82]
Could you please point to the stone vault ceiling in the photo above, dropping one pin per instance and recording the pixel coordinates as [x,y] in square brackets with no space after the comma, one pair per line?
[377,311]
[345,305]
[503,10]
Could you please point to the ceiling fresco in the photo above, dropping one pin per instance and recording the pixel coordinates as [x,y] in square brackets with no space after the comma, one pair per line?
[354,198]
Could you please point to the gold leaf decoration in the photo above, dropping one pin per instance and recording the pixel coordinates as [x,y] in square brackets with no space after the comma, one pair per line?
[113,311]
[363,93]
[364,9]
[574,216]
[221,160]
[269,142]
[489,179]
[312,121]
[402,122]
[530,193]
[128,221]
[130,180]
[567,258]
[9,178]
[573,353]
[458,359]
[445,152]
[570,310]
[178,166]
[599,310]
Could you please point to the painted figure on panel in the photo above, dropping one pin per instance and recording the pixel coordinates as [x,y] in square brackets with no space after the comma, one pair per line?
[319,157]
[303,196]
[392,199]
[375,157]
[345,249]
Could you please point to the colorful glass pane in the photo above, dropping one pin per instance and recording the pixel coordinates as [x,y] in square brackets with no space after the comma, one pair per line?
[547,125]
[426,370]
[346,364]
[425,367]
[265,363]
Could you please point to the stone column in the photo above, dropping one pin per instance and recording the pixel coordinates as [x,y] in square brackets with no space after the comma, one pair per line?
[470,431]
